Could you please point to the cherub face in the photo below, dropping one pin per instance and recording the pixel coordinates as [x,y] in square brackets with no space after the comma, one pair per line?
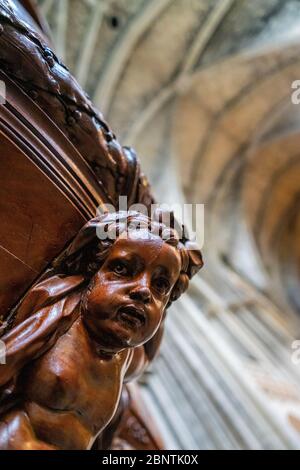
[126,299]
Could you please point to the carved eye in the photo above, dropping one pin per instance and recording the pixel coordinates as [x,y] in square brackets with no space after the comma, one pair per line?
[120,268]
[162,285]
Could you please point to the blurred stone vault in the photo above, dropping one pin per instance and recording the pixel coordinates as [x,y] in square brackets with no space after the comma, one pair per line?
[202,90]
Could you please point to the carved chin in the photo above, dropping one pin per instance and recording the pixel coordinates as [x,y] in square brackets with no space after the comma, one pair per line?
[124,334]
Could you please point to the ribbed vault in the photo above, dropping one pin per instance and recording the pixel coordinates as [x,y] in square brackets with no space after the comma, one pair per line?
[202,90]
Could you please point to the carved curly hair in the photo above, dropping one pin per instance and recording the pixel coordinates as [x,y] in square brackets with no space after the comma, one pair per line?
[87,252]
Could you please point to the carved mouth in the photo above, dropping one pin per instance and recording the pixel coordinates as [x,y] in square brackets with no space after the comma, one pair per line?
[132,316]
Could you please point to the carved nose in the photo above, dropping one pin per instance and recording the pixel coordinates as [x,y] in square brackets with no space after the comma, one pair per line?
[142,294]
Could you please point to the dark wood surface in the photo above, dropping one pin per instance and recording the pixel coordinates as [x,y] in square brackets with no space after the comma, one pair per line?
[59,146]
[76,326]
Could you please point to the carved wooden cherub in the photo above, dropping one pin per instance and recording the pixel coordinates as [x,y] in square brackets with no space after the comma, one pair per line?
[90,325]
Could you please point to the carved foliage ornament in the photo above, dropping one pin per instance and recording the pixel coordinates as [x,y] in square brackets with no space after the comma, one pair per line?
[28,60]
